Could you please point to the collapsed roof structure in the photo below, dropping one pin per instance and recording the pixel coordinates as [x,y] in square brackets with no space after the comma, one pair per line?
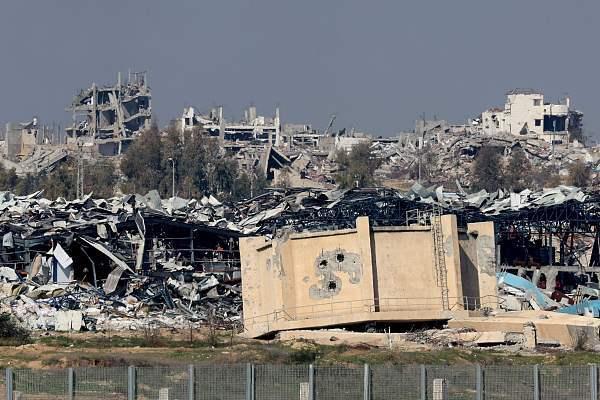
[127,261]
[119,263]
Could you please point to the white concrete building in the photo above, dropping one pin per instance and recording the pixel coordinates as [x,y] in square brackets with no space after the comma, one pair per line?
[526,113]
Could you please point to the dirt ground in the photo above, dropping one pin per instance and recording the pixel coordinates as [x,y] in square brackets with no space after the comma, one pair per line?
[167,348]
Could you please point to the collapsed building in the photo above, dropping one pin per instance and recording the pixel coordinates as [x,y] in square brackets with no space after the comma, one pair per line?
[539,248]
[31,147]
[306,258]
[253,128]
[447,157]
[121,263]
[369,274]
[108,118]
[20,139]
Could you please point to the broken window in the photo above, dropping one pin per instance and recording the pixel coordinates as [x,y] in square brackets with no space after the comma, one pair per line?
[555,123]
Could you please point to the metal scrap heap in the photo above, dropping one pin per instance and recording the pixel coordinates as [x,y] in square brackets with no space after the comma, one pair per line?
[119,263]
[127,262]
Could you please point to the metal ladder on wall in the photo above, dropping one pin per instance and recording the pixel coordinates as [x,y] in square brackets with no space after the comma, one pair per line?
[439,257]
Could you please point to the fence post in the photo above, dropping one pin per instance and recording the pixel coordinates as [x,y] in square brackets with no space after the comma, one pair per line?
[594,382]
[367,383]
[249,381]
[9,384]
[536,382]
[479,382]
[423,383]
[131,385]
[70,383]
[311,382]
[191,383]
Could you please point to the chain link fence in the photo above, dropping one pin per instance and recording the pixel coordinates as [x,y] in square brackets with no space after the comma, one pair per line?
[303,382]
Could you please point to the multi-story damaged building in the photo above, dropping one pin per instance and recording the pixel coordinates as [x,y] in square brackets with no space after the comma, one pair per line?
[110,117]
[526,113]
[252,128]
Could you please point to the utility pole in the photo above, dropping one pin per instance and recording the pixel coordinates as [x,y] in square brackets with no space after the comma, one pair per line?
[79,186]
[173,164]
[421,139]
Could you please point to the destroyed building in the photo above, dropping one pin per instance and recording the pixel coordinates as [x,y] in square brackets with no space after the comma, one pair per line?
[120,263]
[449,157]
[110,117]
[391,274]
[31,147]
[526,113]
[20,139]
[302,258]
[252,128]
[541,248]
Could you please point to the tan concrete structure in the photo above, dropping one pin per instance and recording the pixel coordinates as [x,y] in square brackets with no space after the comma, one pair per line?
[550,327]
[341,277]
[478,264]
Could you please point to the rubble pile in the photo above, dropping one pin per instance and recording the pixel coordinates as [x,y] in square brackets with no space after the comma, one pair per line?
[319,209]
[456,151]
[126,262]
[119,263]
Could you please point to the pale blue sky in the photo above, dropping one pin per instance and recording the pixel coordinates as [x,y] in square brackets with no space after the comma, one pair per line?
[377,64]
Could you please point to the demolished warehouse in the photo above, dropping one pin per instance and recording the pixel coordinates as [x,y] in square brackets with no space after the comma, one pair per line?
[122,262]
[154,258]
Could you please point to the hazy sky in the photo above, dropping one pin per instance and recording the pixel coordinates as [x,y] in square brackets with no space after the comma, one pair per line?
[377,64]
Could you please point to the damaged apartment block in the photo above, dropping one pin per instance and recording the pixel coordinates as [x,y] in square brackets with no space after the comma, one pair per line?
[110,117]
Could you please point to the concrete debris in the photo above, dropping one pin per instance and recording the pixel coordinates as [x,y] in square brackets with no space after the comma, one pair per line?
[440,153]
[540,328]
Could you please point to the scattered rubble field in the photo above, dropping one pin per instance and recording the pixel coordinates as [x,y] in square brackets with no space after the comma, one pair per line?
[105,350]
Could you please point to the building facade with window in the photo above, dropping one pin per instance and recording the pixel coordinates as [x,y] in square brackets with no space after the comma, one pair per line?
[526,113]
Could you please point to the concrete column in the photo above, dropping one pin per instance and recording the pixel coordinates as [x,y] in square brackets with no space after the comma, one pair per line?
[486,262]
[311,382]
[479,383]
[363,233]
[551,274]
[536,382]
[423,385]
[594,382]
[367,383]
[440,389]
[191,383]
[131,383]
[70,384]
[8,382]
[250,382]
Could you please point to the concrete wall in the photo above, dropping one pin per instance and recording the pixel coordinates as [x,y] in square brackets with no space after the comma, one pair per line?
[478,265]
[526,109]
[493,122]
[306,280]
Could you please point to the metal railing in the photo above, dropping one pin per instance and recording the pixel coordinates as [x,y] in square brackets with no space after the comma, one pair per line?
[303,382]
[350,307]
